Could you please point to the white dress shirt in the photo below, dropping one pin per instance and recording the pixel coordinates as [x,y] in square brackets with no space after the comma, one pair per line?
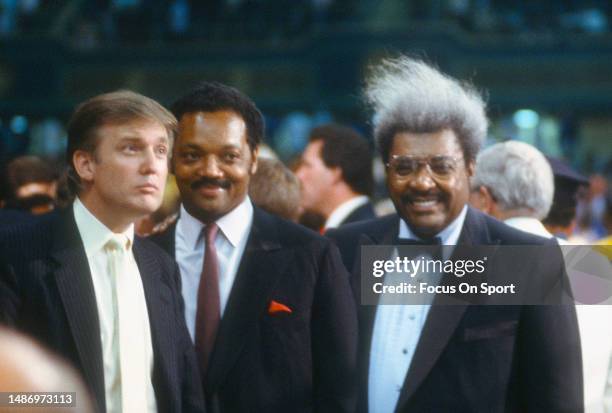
[234,228]
[344,210]
[396,333]
[95,235]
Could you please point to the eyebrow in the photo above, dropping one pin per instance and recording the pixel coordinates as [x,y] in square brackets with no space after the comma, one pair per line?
[198,147]
[133,138]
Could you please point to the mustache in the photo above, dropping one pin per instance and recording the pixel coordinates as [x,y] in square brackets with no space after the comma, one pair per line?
[409,197]
[222,183]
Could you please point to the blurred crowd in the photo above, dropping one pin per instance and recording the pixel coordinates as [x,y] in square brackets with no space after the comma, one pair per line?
[96,23]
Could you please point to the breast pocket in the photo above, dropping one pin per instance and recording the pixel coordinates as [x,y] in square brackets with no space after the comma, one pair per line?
[490,331]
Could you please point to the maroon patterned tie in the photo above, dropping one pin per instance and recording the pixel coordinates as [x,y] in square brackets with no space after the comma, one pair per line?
[208,313]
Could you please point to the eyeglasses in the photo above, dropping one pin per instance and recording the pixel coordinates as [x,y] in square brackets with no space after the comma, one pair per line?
[440,166]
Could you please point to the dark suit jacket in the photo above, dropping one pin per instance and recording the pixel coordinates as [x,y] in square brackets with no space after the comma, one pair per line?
[46,291]
[10,217]
[299,362]
[478,358]
[363,213]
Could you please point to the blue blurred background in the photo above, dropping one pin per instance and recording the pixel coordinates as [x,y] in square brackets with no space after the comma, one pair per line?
[546,65]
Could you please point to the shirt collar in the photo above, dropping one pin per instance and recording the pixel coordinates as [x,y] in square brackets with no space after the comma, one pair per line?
[344,210]
[94,233]
[233,225]
[449,235]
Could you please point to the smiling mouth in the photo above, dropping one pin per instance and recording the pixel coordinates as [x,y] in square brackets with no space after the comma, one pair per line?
[210,190]
[422,204]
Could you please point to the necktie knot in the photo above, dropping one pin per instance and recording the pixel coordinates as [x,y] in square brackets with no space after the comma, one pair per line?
[210,233]
[117,243]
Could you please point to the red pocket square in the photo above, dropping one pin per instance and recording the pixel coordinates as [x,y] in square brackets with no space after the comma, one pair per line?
[276,307]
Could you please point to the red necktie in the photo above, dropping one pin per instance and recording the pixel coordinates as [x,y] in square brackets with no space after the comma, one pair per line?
[208,313]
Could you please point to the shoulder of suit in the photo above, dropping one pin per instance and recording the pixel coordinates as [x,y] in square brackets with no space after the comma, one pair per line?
[28,238]
[152,247]
[289,233]
[369,226]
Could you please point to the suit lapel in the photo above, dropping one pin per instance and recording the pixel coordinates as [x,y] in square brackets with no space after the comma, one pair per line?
[442,320]
[262,263]
[75,286]
[159,300]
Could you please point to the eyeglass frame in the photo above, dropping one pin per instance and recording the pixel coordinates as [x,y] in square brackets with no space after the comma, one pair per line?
[424,159]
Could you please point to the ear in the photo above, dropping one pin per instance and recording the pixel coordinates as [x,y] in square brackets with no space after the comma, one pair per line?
[482,199]
[336,174]
[489,203]
[84,165]
[254,156]
[470,168]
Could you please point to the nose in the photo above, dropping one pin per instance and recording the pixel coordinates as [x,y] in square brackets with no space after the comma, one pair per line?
[210,167]
[422,180]
[153,164]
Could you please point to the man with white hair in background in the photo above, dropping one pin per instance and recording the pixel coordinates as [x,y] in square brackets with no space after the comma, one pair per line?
[514,182]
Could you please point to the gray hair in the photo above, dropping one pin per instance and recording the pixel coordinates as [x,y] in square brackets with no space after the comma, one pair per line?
[408,95]
[517,175]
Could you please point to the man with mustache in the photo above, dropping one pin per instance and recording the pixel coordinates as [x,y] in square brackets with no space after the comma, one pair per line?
[82,284]
[442,358]
[267,302]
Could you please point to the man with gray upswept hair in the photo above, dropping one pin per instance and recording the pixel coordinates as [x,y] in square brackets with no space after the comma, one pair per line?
[514,183]
[408,94]
[461,358]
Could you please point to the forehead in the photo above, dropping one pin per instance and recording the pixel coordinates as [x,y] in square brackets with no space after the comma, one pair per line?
[147,129]
[443,142]
[212,128]
[313,149]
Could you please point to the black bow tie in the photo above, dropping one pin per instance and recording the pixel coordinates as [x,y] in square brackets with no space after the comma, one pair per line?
[425,242]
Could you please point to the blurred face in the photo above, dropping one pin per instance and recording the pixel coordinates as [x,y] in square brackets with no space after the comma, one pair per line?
[428,180]
[315,177]
[125,177]
[213,163]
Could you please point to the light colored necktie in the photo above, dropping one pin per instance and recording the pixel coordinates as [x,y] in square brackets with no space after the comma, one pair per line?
[132,358]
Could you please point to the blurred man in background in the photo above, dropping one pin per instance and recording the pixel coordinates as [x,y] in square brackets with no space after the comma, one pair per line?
[336,176]
[31,185]
[561,219]
[275,189]
[513,182]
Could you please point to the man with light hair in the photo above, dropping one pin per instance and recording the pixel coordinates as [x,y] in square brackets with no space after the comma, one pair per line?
[513,182]
[82,284]
[461,358]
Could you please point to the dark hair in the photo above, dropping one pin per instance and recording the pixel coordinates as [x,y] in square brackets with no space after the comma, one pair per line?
[563,209]
[25,170]
[119,107]
[215,96]
[345,148]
